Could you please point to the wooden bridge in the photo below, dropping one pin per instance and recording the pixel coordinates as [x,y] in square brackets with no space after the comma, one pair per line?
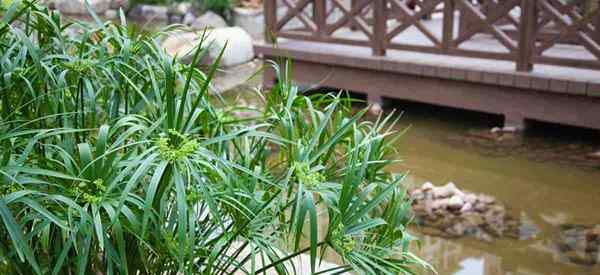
[524,59]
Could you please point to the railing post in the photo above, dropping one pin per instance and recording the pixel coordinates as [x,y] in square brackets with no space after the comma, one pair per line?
[448,27]
[320,16]
[270,14]
[380,27]
[527,35]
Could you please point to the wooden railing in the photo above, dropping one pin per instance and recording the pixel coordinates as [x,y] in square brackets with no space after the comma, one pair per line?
[526,32]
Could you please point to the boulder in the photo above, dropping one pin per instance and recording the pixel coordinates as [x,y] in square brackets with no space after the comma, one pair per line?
[181,8]
[445,191]
[188,18]
[78,7]
[149,13]
[427,186]
[119,4]
[209,20]
[239,45]
[111,14]
[455,202]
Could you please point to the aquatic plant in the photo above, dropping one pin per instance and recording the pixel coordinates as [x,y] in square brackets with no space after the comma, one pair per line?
[114,159]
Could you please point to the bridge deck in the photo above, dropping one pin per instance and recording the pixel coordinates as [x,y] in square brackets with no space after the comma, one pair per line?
[557,94]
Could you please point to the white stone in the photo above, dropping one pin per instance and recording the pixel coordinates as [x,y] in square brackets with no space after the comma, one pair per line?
[111,14]
[209,20]
[486,199]
[427,185]
[441,203]
[510,129]
[188,18]
[182,8]
[375,109]
[455,202]
[150,13]
[79,7]
[239,48]
[470,198]
[445,191]
[466,207]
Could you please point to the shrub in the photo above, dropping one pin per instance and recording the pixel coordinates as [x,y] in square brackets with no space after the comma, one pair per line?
[114,160]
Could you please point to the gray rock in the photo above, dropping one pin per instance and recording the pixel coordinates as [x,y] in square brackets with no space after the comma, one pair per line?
[181,8]
[149,13]
[188,18]
[445,191]
[209,20]
[455,202]
[78,6]
[239,45]
[111,14]
[118,4]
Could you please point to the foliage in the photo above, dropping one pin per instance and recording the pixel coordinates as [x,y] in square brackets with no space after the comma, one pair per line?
[114,160]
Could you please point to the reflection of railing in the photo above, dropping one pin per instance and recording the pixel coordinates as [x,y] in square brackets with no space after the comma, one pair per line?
[523,30]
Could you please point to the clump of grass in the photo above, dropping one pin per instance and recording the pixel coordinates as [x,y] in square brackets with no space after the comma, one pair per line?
[113,160]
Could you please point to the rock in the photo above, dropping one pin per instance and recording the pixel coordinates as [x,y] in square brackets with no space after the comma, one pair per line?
[466,207]
[375,109]
[111,14]
[149,13]
[470,198]
[181,8]
[444,191]
[440,203]
[78,6]
[239,46]
[119,4]
[455,202]
[486,199]
[175,19]
[209,20]
[427,186]
[188,18]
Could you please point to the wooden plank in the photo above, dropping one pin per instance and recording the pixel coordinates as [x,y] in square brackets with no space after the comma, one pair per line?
[380,27]
[448,25]
[527,35]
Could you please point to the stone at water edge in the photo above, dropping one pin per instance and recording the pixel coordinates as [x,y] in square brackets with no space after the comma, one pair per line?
[208,20]
[445,191]
[375,109]
[455,202]
[79,7]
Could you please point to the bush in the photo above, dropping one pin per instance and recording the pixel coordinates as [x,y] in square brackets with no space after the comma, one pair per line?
[114,160]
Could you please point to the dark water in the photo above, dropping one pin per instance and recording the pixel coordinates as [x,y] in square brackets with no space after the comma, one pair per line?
[553,190]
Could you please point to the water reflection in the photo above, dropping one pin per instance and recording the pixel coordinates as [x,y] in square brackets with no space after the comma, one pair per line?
[550,193]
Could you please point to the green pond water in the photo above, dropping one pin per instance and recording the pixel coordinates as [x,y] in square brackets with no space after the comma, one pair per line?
[551,193]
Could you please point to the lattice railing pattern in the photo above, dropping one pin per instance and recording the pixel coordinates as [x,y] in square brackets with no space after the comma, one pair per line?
[526,31]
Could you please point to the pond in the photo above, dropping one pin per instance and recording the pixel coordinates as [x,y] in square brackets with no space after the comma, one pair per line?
[436,148]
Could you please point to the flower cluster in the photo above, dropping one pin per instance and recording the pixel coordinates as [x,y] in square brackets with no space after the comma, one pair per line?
[303,174]
[171,150]
[342,241]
